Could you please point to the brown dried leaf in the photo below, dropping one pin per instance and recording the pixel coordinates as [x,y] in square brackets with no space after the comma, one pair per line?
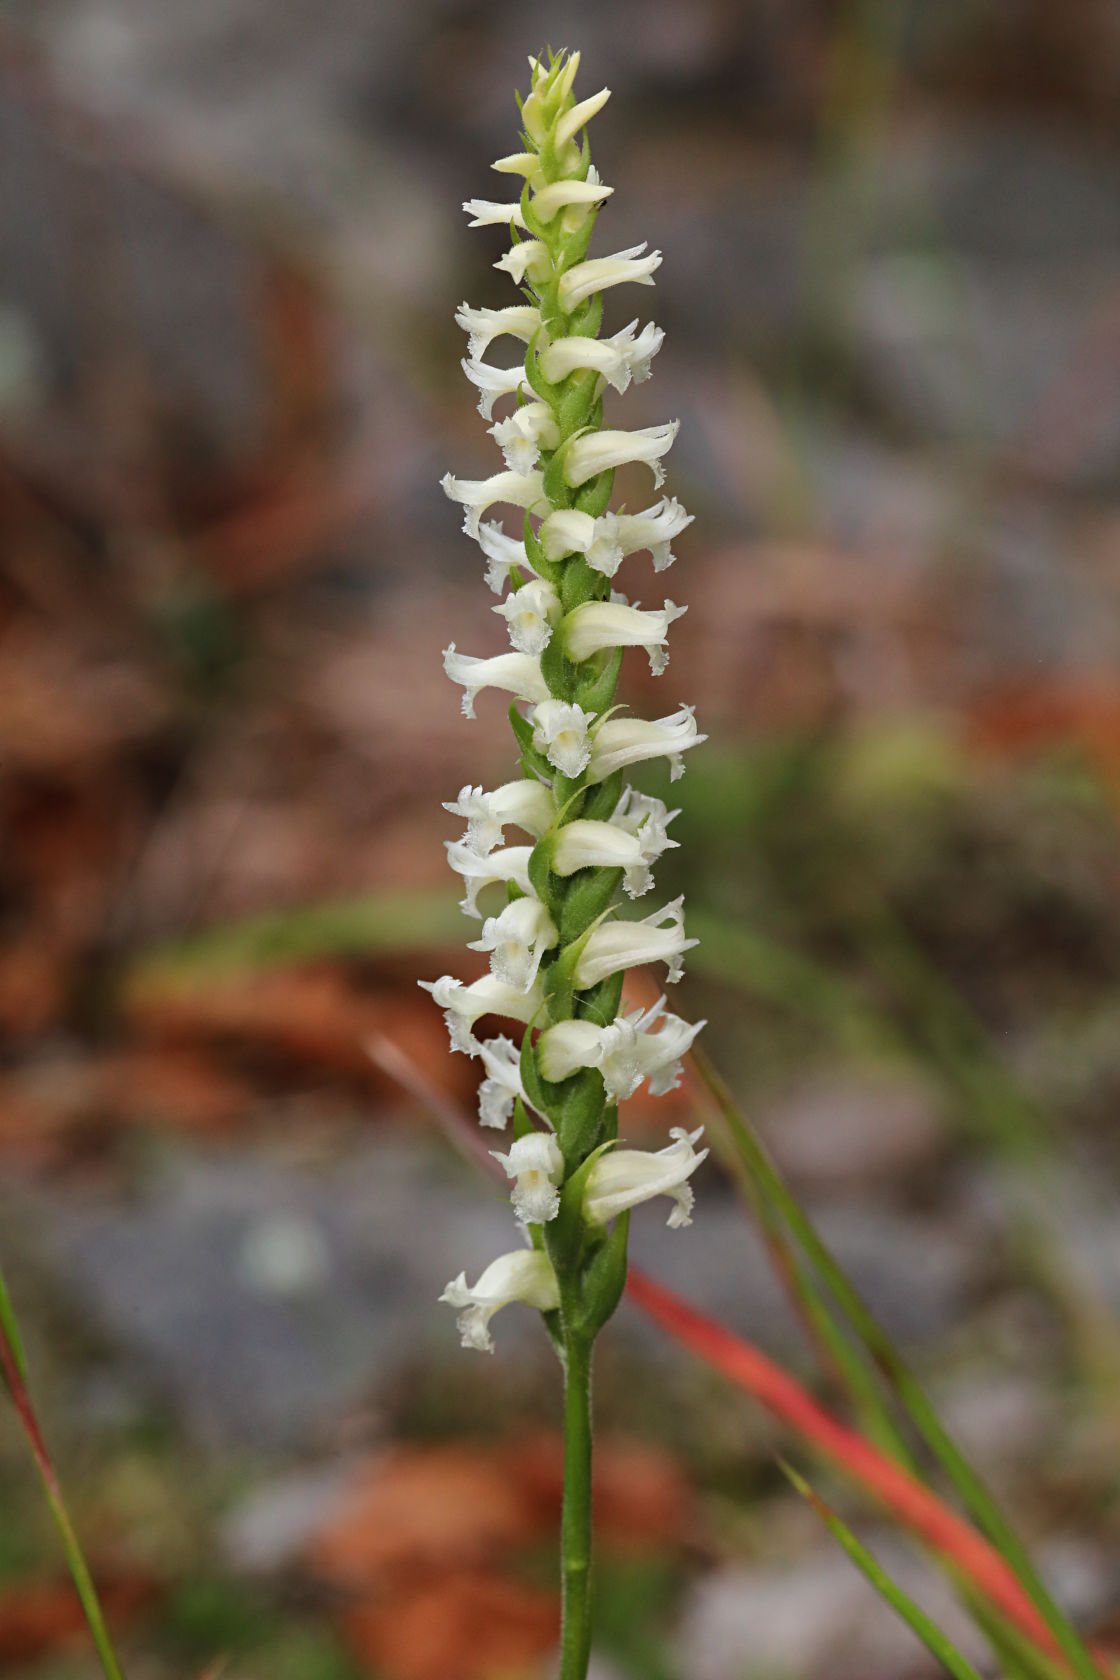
[642,1499]
[424,1510]
[315,1016]
[465,1626]
[37,1618]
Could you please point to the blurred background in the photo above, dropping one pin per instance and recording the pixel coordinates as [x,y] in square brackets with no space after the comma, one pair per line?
[230,251]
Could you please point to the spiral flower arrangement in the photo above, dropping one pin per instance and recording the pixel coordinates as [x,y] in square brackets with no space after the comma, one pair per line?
[558,947]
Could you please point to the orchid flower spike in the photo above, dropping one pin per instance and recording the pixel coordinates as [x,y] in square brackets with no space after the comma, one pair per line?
[559,848]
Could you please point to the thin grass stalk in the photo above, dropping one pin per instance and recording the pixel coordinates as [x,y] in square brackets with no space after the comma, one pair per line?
[931,1636]
[13,1367]
[977,1500]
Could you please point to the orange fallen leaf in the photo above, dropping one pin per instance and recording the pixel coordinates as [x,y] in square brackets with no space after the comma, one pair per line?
[1021,718]
[642,1499]
[424,1509]
[315,1016]
[43,1106]
[464,1626]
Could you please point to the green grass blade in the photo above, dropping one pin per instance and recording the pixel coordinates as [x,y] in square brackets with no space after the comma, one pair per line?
[979,1503]
[931,1636]
[14,1369]
[9,1331]
[364,926]
[1019,1657]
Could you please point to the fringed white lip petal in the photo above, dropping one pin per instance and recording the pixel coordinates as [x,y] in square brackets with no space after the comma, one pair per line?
[600,273]
[615,945]
[622,1178]
[598,452]
[628,740]
[526,1275]
[463,1005]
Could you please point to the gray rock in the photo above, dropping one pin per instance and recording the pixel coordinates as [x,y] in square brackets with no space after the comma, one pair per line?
[268,1531]
[264,1299]
[848,1132]
[913,1271]
[817,1615]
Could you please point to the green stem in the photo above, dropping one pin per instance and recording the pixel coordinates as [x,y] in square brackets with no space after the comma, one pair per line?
[575,1522]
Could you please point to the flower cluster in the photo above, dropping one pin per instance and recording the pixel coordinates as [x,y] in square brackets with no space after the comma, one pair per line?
[557,945]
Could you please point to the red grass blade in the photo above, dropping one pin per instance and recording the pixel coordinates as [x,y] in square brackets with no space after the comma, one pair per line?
[914,1505]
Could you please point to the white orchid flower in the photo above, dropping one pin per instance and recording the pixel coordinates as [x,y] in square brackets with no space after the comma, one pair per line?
[614,945]
[527,260]
[599,273]
[463,1005]
[620,741]
[509,865]
[517,940]
[560,733]
[486,213]
[525,804]
[483,326]
[626,1051]
[597,452]
[536,1165]
[526,1275]
[522,435]
[607,624]
[502,1086]
[531,613]
[515,673]
[502,553]
[523,490]
[622,1178]
[619,359]
[631,844]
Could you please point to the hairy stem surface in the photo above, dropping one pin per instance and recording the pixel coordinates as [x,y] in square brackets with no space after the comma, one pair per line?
[575,1525]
